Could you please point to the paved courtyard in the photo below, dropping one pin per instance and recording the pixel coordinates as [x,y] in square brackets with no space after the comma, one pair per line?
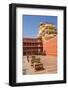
[49,64]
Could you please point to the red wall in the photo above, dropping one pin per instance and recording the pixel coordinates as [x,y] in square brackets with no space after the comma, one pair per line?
[50,46]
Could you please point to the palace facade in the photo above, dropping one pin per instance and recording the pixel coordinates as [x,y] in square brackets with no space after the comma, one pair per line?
[32,46]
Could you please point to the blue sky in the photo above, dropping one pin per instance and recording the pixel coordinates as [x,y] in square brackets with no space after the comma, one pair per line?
[31,24]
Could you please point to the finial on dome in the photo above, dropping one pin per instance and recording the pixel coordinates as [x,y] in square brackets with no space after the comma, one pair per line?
[41,23]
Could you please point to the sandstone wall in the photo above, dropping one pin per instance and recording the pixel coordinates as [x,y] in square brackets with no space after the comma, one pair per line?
[50,46]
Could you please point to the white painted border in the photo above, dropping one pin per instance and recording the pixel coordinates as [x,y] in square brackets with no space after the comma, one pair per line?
[45,77]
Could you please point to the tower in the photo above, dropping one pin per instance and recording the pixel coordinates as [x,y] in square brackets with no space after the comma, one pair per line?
[47,30]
